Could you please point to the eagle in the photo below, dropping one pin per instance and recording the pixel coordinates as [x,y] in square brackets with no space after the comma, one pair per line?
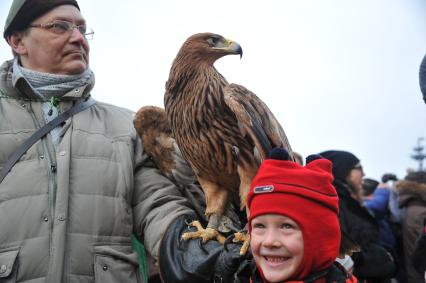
[223,130]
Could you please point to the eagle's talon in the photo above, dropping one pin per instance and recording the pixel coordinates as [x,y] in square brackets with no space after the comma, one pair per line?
[201,245]
[188,224]
[227,241]
[205,234]
[242,237]
[245,247]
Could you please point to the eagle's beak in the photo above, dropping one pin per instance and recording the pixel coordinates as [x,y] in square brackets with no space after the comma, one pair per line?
[230,47]
[234,47]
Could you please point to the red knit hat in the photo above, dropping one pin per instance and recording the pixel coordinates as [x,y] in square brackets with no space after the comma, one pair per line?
[307,196]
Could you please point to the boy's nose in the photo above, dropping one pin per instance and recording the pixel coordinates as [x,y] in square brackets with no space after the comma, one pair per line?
[271,239]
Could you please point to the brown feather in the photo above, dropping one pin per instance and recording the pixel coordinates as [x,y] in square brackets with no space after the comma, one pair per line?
[152,126]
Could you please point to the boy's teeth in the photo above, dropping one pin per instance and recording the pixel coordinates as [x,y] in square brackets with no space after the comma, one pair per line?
[276,258]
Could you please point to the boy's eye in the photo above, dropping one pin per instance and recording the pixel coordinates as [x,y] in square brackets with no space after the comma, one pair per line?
[287,226]
[258,226]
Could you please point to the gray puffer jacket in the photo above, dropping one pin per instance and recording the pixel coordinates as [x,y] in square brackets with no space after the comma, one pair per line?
[67,213]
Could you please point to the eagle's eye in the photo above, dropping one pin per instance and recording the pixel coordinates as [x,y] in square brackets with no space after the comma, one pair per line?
[212,41]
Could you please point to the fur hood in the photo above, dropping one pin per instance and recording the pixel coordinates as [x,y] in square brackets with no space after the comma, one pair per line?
[410,190]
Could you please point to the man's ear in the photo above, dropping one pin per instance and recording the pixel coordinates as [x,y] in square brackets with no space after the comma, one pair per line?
[16,42]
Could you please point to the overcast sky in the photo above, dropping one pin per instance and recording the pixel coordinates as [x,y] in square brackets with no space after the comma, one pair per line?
[337,74]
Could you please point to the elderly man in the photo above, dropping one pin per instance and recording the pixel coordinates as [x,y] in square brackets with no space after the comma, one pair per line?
[71,198]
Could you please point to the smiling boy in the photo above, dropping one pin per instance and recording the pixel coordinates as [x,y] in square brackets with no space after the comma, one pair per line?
[293,222]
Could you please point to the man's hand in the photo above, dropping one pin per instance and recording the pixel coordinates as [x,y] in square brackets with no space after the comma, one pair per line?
[192,261]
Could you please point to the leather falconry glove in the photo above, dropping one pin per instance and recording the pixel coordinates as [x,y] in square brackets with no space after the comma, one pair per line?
[191,261]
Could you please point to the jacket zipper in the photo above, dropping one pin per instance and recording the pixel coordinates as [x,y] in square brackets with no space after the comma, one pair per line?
[52,181]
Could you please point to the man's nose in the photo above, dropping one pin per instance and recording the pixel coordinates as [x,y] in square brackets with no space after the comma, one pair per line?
[76,34]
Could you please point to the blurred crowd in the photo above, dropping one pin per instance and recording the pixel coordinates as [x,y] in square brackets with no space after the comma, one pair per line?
[386,218]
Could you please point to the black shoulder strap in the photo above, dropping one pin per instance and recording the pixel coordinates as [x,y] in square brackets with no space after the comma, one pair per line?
[41,133]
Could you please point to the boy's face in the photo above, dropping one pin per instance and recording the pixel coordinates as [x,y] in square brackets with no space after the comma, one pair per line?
[277,246]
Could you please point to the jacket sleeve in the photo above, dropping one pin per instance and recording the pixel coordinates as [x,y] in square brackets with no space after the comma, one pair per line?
[157,201]
[418,258]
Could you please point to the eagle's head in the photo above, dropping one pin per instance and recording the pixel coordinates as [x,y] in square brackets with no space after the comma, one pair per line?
[207,48]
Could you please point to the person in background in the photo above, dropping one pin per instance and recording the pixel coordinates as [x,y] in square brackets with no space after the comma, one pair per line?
[396,213]
[377,203]
[70,205]
[289,243]
[373,263]
[368,187]
[418,257]
[377,199]
[412,196]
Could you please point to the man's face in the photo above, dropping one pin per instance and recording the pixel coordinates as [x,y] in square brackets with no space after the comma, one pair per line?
[277,246]
[45,51]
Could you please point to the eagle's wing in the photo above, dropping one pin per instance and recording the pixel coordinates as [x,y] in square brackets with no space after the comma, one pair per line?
[255,120]
[152,126]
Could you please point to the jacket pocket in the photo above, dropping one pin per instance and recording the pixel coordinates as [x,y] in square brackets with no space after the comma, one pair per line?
[116,264]
[8,265]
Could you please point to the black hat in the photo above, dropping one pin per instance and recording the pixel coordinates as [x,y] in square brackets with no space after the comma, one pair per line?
[343,162]
[23,12]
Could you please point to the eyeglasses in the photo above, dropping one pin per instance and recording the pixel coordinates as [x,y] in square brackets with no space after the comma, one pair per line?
[358,167]
[62,27]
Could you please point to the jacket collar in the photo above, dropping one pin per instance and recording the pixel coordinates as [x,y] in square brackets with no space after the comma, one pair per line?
[336,273]
[18,87]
